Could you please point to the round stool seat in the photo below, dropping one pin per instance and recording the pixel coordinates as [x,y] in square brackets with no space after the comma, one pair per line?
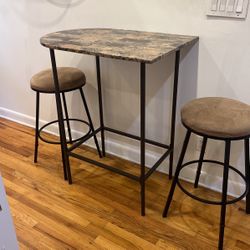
[217,117]
[69,79]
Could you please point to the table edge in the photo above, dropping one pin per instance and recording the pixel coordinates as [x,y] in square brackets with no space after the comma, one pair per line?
[192,42]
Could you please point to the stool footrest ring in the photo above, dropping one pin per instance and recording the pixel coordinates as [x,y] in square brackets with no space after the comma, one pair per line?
[209,201]
[58,142]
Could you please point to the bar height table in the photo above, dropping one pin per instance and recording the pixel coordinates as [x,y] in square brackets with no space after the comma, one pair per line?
[142,47]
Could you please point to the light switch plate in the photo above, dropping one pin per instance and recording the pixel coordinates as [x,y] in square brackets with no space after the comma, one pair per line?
[228,8]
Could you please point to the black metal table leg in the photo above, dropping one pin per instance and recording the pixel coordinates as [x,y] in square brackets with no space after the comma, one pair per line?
[65,157]
[247,174]
[98,72]
[143,121]
[174,101]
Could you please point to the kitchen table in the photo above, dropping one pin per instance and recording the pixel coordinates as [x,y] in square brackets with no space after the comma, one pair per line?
[137,46]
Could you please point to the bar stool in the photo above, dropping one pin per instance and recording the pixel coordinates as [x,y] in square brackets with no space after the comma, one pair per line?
[219,119]
[70,79]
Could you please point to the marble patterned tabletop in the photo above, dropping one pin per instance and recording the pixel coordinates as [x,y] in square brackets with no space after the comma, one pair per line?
[147,47]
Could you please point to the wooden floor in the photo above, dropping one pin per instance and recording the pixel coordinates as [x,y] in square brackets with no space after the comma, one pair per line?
[101,209]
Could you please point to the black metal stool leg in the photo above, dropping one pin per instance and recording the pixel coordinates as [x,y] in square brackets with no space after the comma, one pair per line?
[90,121]
[37,126]
[198,173]
[182,155]
[64,150]
[224,193]
[67,116]
[247,174]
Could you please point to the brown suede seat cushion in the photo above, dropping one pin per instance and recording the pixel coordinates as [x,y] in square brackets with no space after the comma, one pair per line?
[218,117]
[69,79]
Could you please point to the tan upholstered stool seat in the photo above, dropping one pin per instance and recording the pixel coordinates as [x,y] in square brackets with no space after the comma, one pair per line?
[69,79]
[217,117]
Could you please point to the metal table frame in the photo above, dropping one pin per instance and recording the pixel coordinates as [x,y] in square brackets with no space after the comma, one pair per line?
[66,152]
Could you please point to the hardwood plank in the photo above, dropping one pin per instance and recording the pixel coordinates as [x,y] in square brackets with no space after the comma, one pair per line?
[138,242]
[166,245]
[107,244]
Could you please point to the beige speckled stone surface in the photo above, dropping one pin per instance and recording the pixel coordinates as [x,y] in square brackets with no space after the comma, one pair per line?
[129,45]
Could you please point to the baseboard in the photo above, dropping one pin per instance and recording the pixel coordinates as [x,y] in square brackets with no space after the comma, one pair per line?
[17,117]
[129,152]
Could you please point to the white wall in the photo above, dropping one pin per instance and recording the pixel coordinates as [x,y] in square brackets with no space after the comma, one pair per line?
[218,66]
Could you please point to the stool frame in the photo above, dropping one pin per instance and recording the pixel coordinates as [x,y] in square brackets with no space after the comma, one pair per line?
[67,119]
[226,165]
